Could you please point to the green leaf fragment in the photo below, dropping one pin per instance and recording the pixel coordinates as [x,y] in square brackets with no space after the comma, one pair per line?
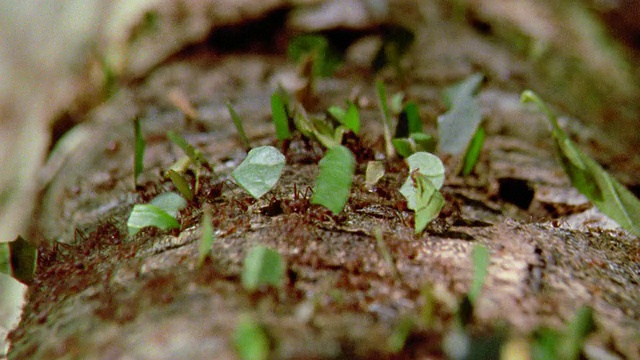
[567,344]
[325,134]
[183,144]
[395,43]
[263,266]
[416,142]
[238,123]
[481,261]
[19,259]
[373,174]
[181,184]
[144,215]
[386,117]
[260,170]
[161,212]
[609,195]
[395,103]
[138,162]
[280,118]
[472,154]
[170,202]
[5,259]
[400,334]
[333,183]
[404,147]
[412,114]
[429,201]
[579,328]
[251,340]
[457,126]
[350,118]
[463,90]
[428,165]
[206,240]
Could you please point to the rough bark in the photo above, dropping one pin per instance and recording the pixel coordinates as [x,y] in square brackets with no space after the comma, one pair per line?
[107,295]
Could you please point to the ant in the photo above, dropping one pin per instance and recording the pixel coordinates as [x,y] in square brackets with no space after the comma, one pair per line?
[300,202]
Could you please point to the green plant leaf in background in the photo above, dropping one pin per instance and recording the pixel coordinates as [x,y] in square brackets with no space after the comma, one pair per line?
[472,154]
[481,261]
[610,196]
[207,237]
[138,157]
[396,41]
[427,164]
[578,329]
[333,183]
[251,340]
[324,57]
[260,170]
[400,334]
[263,266]
[280,118]
[567,344]
[429,201]
[161,212]
[239,127]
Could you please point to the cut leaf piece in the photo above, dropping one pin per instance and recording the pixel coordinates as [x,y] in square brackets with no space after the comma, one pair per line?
[417,142]
[189,150]
[250,340]
[23,260]
[409,121]
[386,117]
[427,164]
[404,147]
[138,162]
[429,201]
[144,215]
[333,183]
[481,261]
[263,266]
[463,90]
[374,172]
[260,171]
[610,196]
[457,126]
[181,184]
[206,239]
[472,154]
[170,202]
[238,123]
[5,258]
[280,118]
[349,118]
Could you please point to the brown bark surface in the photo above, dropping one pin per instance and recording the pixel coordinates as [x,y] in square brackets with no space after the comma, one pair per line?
[109,296]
